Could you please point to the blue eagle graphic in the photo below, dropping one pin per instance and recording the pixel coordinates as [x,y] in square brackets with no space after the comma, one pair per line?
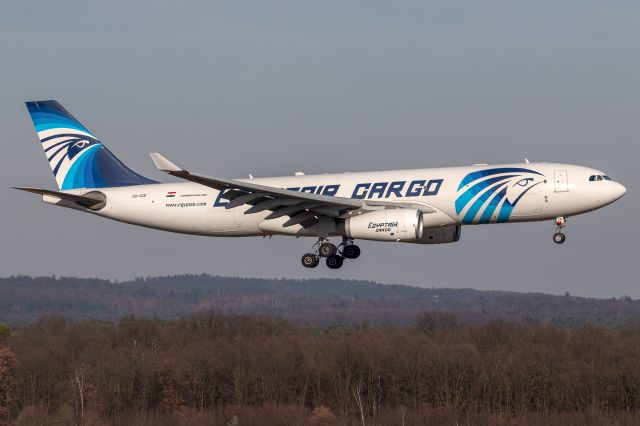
[490,195]
[77,158]
[73,143]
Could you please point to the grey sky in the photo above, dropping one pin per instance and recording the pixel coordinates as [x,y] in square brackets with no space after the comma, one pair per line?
[268,88]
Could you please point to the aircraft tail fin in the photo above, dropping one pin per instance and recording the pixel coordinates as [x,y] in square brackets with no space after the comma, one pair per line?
[76,157]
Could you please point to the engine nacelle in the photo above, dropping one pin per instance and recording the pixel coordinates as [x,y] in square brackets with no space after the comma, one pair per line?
[385,225]
[439,235]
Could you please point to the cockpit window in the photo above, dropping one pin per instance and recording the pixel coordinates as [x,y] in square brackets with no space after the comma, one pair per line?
[594,178]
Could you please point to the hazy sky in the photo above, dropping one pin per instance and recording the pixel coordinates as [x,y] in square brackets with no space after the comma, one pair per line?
[268,88]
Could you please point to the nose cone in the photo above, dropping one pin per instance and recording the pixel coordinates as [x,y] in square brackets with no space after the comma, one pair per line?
[603,193]
[617,191]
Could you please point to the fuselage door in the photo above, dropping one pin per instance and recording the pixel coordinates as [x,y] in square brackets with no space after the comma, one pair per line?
[561,183]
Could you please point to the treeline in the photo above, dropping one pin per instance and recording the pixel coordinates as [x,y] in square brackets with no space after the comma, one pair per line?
[314,301]
[217,369]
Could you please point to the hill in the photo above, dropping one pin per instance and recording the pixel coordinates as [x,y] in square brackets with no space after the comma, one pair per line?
[314,301]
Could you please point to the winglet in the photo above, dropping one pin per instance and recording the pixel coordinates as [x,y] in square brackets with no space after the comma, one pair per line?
[163,164]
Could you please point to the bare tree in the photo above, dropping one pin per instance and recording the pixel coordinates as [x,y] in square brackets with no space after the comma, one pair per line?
[357,394]
[79,388]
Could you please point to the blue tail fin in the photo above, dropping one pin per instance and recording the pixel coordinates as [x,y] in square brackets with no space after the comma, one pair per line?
[77,158]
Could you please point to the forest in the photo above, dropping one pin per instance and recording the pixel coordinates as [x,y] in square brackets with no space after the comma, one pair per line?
[213,368]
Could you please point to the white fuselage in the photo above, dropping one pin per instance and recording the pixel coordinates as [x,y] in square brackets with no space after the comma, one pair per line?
[536,191]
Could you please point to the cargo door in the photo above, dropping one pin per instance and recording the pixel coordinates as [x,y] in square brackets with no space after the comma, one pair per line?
[561,183]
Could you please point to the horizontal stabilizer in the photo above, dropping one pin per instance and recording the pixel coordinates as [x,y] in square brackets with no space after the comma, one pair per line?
[90,200]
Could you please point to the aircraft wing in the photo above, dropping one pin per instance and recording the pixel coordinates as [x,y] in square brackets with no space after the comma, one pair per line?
[304,206]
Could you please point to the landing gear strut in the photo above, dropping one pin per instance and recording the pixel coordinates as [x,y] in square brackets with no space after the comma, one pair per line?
[334,255]
[559,237]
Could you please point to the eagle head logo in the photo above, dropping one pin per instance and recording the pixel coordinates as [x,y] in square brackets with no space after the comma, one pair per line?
[63,150]
[79,144]
[490,195]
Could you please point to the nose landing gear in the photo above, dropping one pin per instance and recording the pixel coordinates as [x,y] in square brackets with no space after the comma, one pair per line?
[559,237]
[334,255]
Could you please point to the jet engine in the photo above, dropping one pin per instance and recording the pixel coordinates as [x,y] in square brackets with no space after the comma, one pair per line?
[385,225]
[439,235]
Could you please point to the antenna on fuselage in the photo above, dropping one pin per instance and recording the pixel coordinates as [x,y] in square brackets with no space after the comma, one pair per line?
[526,161]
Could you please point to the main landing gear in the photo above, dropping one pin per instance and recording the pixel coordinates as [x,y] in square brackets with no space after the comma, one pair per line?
[559,237]
[334,255]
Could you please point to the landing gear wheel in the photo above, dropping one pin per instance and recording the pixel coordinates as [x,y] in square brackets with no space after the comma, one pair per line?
[310,260]
[327,250]
[351,251]
[334,261]
[559,238]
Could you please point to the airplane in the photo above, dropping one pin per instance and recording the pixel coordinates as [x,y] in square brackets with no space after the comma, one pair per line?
[419,206]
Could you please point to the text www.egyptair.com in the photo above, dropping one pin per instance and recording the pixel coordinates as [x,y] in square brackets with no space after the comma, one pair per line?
[185,204]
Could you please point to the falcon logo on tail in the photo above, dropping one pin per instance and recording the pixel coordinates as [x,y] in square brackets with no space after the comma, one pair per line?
[77,158]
